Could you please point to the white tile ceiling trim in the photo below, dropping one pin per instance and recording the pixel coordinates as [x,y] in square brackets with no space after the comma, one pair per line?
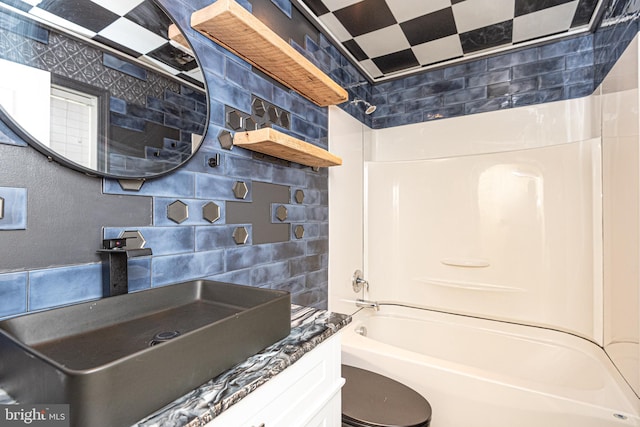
[404,10]
[119,7]
[382,42]
[547,21]
[438,50]
[60,22]
[127,33]
[493,12]
[333,5]
[335,27]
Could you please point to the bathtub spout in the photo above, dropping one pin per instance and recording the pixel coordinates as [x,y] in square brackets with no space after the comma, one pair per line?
[367,304]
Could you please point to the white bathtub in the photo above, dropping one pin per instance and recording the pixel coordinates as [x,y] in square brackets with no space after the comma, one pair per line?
[483,373]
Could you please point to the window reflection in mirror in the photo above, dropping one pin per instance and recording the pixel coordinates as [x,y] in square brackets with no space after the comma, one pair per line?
[134,110]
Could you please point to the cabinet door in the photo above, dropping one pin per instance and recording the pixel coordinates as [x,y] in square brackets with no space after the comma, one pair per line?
[294,397]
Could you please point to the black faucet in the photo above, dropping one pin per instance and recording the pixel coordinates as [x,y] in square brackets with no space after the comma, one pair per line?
[115,277]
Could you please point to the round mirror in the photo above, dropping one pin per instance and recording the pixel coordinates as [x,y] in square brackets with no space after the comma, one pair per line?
[108,88]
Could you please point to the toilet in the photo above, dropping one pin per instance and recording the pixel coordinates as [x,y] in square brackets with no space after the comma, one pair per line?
[373,400]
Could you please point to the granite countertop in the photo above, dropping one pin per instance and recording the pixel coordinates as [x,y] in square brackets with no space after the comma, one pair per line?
[309,327]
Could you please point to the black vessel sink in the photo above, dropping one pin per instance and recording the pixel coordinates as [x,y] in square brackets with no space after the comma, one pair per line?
[118,359]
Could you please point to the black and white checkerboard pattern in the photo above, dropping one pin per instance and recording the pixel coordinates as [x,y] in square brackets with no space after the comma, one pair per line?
[389,36]
[137,28]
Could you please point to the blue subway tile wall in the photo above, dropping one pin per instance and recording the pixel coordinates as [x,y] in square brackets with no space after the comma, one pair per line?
[13,294]
[197,248]
[64,285]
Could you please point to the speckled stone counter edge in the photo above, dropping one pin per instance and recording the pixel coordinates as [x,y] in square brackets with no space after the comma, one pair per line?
[309,327]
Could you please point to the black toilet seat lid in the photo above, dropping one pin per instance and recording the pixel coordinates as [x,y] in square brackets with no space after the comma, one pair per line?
[373,400]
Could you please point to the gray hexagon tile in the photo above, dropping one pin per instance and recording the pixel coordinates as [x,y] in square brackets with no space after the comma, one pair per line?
[178,212]
[211,212]
[240,190]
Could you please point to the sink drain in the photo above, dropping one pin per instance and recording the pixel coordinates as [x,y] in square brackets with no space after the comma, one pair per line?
[161,337]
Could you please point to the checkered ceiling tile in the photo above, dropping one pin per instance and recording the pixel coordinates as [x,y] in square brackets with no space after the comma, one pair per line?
[391,37]
[137,28]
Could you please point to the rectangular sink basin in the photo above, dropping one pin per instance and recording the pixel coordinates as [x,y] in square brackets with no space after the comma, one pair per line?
[118,359]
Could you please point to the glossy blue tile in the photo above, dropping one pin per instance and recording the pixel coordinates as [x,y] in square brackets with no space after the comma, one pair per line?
[512,87]
[566,78]
[219,187]
[430,102]
[303,127]
[126,122]
[241,167]
[295,213]
[581,59]
[465,95]
[13,294]
[217,236]
[292,249]
[491,77]
[125,67]
[311,196]
[247,79]
[197,95]
[289,176]
[117,105]
[229,94]
[424,78]
[561,48]
[389,109]
[14,208]
[538,68]
[391,86]
[139,271]
[466,69]
[315,247]
[247,256]
[512,58]
[262,275]
[65,285]
[178,268]
[443,86]
[179,99]
[177,184]
[492,104]
[301,265]
[538,97]
[390,121]
[579,90]
[164,240]
[240,277]
[405,95]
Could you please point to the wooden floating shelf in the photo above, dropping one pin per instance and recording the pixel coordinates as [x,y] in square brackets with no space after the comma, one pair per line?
[176,35]
[277,144]
[234,28]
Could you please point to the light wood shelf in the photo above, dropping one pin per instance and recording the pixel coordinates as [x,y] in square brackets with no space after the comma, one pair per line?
[176,35]
[277,144]
[231,26]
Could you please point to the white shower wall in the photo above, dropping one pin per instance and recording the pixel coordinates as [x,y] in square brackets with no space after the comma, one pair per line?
[620,100]
[510,235]
[495,215]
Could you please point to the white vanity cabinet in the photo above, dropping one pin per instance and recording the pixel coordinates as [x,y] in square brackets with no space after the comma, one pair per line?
[307,393]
